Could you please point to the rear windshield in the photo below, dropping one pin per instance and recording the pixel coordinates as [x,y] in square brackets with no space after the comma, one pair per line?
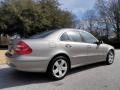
[42,35]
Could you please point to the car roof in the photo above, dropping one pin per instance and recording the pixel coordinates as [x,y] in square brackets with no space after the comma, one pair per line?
[69,29]
[59,32]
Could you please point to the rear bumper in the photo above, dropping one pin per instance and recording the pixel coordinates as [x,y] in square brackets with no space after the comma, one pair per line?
[28,64]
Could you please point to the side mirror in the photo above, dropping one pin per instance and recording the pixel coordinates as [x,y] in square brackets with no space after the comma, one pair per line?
[99,42]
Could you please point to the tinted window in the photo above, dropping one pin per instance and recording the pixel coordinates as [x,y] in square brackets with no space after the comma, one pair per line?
[42,35]
[64,37]
[74,36]
[88,38]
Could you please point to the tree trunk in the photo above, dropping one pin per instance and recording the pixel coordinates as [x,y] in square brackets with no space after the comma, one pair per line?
[118,26]
[118,33]
[107,31]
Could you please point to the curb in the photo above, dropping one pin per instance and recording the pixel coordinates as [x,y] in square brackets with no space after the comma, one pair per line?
[4,66]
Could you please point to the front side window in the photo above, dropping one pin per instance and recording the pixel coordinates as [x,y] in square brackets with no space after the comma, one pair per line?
[74,36]
[88,38]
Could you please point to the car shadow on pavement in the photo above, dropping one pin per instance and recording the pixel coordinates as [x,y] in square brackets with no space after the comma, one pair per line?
[11,78]
[86,67]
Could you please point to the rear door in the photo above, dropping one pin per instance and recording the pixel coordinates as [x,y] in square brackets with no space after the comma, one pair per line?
[72,43]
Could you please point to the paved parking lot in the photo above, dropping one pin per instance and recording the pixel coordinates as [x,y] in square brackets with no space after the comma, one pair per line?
[92,77]
[2,57]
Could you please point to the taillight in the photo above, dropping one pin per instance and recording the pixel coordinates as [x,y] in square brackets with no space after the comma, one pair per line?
[22,48]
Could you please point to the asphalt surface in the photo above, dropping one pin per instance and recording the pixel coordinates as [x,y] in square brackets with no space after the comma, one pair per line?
[91,77]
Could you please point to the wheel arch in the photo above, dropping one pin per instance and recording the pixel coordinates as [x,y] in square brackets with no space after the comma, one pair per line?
[60,54]
[111,49]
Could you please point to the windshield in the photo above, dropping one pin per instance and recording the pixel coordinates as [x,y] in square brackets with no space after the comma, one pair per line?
[42,35]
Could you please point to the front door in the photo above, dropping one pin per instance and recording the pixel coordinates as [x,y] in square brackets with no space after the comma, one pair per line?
[95,52]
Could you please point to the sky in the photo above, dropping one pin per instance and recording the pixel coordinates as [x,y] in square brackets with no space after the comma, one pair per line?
[77,7]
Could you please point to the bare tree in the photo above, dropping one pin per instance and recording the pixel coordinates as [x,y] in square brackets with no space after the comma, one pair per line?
[110,13]
[89,17]
[90,22]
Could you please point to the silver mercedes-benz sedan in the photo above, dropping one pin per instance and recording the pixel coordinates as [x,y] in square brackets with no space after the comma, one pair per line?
[57,51]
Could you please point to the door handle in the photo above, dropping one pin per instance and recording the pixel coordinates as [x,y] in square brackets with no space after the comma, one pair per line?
[89,46]
[68,46]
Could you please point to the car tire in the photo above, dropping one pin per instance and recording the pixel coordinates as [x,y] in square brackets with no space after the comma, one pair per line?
[110,58]
[58,68]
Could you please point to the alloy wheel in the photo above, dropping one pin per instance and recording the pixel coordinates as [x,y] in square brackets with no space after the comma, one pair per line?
[110,57]
[60,68]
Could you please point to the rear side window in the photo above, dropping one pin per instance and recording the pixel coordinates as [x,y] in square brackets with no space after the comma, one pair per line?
[74,36]
[64,37]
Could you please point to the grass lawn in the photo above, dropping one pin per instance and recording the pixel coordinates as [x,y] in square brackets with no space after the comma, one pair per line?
[2,57]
